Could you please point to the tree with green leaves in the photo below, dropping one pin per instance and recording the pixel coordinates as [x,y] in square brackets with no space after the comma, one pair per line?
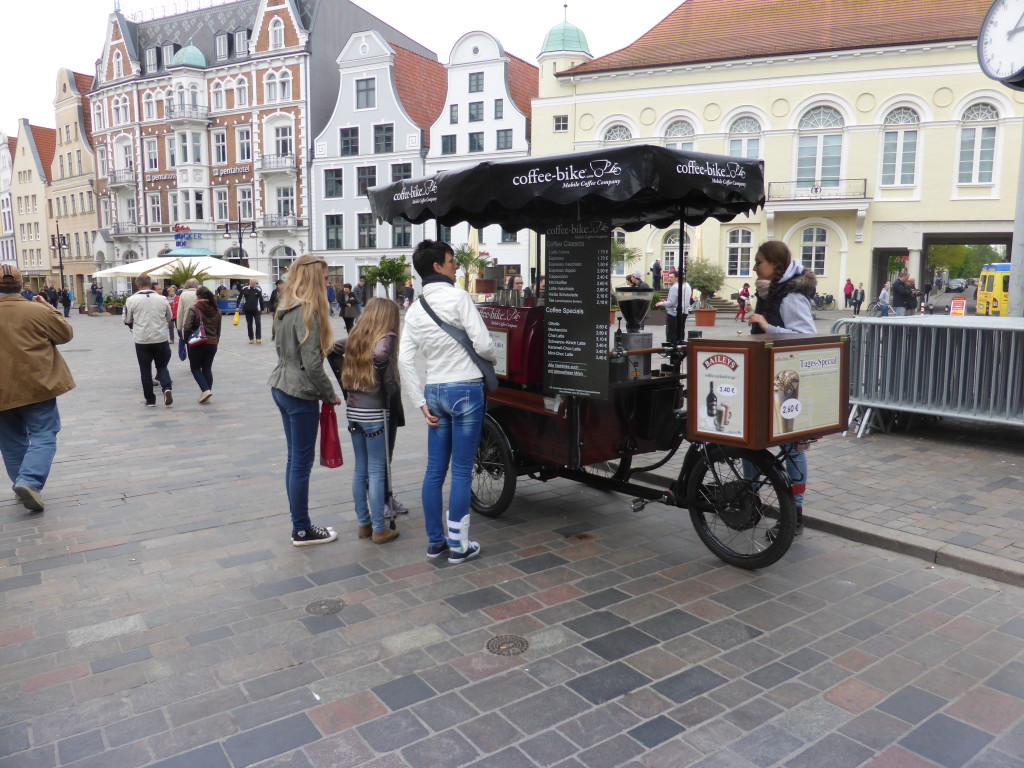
[390,271]
[706,277]
[183,271]
[469,261]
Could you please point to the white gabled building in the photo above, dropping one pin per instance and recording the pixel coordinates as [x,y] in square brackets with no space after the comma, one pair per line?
[8,246]
[387,99]
[486,116]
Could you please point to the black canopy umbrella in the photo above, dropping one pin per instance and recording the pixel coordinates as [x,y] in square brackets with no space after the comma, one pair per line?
[627,187]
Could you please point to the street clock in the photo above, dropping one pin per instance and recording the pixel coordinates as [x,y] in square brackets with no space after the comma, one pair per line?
[1001,43]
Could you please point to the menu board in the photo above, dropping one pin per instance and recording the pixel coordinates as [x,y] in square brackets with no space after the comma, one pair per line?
[721,392]
[805,384]
[578,272]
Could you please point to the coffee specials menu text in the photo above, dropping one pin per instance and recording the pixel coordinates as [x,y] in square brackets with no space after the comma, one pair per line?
[576,313]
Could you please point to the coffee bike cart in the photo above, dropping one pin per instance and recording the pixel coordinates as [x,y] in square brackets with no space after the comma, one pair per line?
[579,401]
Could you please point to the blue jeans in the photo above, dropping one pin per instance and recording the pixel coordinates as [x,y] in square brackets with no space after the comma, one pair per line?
[28,442]
[899,311]
[301,423]
[884,308]
[369,479]
[460,408]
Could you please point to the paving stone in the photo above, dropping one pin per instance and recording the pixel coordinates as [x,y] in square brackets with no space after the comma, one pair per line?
[772,675]
[285,680]
[135,728]
[489,733]
[607,683]
[538,563]
[403,691]
[598,724]
[343,749]
[689,684]
[477,599]
[596,623]
[620,643]
[269,740]
[339,573]
[41,757]
[655,731]
[875,730]
[945,741]
[507,758]
[548,748]
[210,756]
[120,660]
[209,635]
[727,634]
[671,624]
[248,557]
[501,690]
[766,746]
[603,599]
[392,731]
[81,746]
[278,588]
[833,750]
[1010,679]
[544,709]
[911,704]
[617,751]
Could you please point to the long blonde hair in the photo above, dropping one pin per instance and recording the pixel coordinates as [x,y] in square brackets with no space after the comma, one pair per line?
[379,318]
[305,286]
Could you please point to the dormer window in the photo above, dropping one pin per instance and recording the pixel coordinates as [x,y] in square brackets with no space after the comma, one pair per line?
[276,34]
[152,63]
[222,46]
[168,53]
[242,42]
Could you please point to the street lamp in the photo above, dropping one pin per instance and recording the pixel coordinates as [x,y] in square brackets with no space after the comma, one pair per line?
[239,228]
[58,243]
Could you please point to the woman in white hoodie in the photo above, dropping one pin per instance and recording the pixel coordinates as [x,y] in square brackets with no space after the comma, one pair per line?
[452,402]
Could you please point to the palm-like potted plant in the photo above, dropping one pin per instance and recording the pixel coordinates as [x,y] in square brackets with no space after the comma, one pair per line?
[708,278]
[623,257]
[183,271]
[469,261]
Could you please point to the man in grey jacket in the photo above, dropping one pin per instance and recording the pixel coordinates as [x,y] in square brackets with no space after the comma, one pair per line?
[185,300]
[147,313]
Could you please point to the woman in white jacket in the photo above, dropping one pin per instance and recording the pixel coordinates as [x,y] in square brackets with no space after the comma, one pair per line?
[452,401]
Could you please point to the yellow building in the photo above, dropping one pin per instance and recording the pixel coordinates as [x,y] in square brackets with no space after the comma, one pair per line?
[879,132]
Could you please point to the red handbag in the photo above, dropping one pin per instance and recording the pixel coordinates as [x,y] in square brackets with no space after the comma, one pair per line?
[330,441]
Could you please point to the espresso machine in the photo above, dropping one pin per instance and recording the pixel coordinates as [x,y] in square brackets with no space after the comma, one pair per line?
[634,304]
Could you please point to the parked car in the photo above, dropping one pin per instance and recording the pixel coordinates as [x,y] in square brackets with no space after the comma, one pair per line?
[956,285]
[939,304]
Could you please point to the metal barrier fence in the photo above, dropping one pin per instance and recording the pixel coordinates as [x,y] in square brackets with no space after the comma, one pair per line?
[959,367]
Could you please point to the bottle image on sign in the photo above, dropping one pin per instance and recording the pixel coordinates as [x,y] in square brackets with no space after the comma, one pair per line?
[712,401]
[787,402]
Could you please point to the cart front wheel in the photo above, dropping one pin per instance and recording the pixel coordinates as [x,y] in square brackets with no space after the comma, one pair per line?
[741,506]
[494,473]
[614,469]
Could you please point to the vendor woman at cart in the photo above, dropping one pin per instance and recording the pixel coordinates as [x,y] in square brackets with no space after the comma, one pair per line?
[784,290]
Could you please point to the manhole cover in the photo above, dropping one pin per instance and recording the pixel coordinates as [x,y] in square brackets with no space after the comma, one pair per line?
[325,606]
[507,645]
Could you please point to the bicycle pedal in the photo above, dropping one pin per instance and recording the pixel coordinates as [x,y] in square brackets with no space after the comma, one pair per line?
[637,505]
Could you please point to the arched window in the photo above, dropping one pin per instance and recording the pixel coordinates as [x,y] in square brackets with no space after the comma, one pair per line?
[193,95]
[281,259]
[738,252]
[97,116]
[276,34]
[814,249]
[181,96]
[168,102]
[679,135]
[618,132]
[118,64]
[148,106]
[670,255]
[241,92]
[899,146]
[270,87]
[820,148]
[745,137]
[977,144]
[284,85]
[217,96]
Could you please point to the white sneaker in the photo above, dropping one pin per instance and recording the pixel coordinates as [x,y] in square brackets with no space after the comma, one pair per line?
[205,397]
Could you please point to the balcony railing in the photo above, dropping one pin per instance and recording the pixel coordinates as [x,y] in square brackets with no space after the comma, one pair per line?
[277,162]
[825,189]
[122,176]
[124,228]
[279,222]
[187,112]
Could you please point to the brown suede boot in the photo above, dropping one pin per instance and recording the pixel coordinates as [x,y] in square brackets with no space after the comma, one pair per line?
[386,535]
[365,531]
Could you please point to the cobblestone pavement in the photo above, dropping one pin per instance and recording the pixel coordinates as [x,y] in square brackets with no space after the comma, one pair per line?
[155,614]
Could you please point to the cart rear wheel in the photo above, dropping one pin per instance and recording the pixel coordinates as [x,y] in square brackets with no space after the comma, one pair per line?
[736,498]
[494,473]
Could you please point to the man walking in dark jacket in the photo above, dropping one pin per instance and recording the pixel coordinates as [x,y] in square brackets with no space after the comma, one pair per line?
[250,301]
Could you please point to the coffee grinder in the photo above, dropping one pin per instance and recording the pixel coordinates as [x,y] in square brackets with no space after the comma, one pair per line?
[634,304]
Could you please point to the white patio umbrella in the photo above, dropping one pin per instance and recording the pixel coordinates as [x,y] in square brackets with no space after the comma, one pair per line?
[161,266]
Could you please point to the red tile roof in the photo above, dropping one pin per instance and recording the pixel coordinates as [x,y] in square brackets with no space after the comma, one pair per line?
[12,144]
[46,144]
[84,84]
[422,87]
[719,30]
[523,80]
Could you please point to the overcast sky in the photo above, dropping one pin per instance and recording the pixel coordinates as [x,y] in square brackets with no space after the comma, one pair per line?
[44,35]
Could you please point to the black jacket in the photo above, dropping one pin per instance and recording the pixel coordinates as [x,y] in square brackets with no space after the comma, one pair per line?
[250,299]
[902,296]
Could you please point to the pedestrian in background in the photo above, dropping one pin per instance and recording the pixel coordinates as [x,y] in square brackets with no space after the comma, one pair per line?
[452,402]
[299,382]
[200,356]
[34,376]
[349,306]
[332,298]
[741,300]
[883,300]
[147,314]
[848,294]
[784,290]
[362,294]
[250,301]
[275,299]
[858,298]
[172,300]
[370,381]
[186,299]
[671,305]
[408,294]
[656,275]
[65,301]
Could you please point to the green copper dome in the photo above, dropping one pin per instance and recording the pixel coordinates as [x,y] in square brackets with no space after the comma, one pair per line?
[190,56]
[565,37]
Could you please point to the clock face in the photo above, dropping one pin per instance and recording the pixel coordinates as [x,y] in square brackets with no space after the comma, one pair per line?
[1001,40]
